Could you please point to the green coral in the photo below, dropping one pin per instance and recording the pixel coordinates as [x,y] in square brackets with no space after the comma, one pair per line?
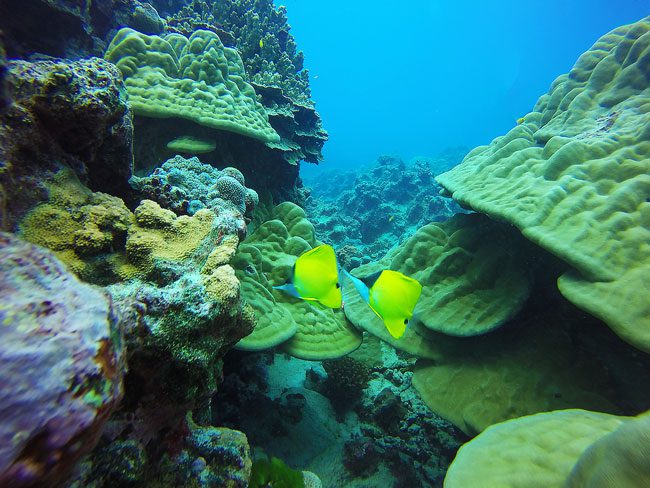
[191,145]
[158,234]
[276,62]
[265,259]
[197,79]
[528,452]
[532,366]
[274,472]
[574,177]
[473,272]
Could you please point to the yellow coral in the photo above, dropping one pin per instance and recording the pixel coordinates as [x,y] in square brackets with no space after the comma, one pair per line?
[76,223]
[159,234]
[222,285]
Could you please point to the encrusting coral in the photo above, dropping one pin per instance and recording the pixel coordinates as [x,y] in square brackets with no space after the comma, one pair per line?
[63,113]
[187,185]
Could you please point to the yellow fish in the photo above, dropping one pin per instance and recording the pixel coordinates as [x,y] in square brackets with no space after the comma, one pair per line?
[261,44]
[520,120]
[390,219]
[392,296]
[316,277]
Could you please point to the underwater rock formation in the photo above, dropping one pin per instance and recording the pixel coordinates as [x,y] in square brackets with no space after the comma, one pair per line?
[573,178]
[64,113]
[61,362]
[187,186]
[71,29]
[385,204]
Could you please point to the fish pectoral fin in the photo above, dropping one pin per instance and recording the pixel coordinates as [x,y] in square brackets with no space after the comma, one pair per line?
[396,327]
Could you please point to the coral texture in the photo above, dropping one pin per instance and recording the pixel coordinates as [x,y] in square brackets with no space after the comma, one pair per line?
[385,204]
[574,178]
[265,259]
[538,450]
[187,185]
[61,362]
[196,79]
[473,272]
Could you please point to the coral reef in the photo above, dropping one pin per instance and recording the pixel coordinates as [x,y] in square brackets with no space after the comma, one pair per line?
[474,273]
[82,228]
[187,185]
[265,259]
[260,32]
[64,113]
[71,29]
[346,379]
[297,123]
[168,77]
[386,204]
[395,427]
[273,66]
[221,457]
[573,178]
[62,365]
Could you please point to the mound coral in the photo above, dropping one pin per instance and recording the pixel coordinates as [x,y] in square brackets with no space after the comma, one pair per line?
[473,272]
[564,448]
[187,185]
[574,178]
[196,79]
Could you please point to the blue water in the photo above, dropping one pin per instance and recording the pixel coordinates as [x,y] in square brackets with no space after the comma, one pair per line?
[412,78]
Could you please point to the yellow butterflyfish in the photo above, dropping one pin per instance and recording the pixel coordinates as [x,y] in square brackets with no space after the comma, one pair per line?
[261,44]
[392,296]
[316,277]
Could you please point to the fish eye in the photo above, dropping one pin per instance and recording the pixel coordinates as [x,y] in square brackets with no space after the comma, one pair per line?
[406,321]
[338,285]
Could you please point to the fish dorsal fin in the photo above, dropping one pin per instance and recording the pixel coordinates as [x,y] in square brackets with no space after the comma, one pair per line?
[371,279]
[359,285]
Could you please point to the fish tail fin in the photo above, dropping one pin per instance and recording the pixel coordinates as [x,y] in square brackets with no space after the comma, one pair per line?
[360,286]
